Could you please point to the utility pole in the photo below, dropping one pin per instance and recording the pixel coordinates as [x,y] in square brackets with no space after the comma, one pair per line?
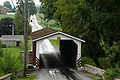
[25,35]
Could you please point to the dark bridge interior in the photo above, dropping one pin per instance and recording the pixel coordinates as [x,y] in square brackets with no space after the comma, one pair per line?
[68,49]
[66,57]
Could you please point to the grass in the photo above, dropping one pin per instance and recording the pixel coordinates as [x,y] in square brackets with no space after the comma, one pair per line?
[30,77]
[55,42]
[6,15]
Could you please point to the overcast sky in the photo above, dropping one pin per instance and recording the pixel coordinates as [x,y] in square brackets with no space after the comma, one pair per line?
[14,1]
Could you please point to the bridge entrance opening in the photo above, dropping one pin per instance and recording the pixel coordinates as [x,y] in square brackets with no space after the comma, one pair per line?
[68,49]
[66,57]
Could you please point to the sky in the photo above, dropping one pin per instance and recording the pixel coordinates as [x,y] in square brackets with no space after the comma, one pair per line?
[14,1]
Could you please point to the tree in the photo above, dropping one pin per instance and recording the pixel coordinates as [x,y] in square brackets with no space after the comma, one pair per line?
[5,26]
[7,4]
[31,7]
[48,8]
[94,21]
[19,24]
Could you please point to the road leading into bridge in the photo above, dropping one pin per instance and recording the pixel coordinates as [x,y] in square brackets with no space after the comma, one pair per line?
[53,68]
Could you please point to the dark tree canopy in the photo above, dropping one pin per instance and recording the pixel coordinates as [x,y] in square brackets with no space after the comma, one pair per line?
[19,25]
[48,8]
[5,26]
[95,21]
[7,4]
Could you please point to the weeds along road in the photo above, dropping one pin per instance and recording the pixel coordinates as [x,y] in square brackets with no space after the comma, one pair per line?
[53,68]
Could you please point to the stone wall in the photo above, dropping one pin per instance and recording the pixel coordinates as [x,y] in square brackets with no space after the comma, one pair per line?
[93,70]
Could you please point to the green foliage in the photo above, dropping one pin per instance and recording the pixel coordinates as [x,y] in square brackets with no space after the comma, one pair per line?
[3,45]
[29,37]
[112,53]
[31,7]
[19,24]
[95,78]
[104,63]
[86,60]
[110,74]
[5,26]
[30,77]
[1,73]
[51,23]
[48,8]
[30,44]
[7,4]
[22,45]
[11,60]
[95,21]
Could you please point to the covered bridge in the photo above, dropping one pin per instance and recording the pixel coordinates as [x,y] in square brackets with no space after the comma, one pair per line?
[70,46]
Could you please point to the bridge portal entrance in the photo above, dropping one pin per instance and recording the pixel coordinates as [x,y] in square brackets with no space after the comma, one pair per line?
[68,49]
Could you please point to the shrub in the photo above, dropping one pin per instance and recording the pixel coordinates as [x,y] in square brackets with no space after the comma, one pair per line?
[110,74]
[10,62]
[3,45]
[22,45]
[104,63]
[86,60]
[29,38]
[30,44]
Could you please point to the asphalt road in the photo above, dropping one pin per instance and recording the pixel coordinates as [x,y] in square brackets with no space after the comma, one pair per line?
[53,68]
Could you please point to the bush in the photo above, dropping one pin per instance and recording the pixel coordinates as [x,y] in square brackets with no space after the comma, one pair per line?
[22,45]
[104,63]
[10,62]
[3,45]
[86,60]
[110,74]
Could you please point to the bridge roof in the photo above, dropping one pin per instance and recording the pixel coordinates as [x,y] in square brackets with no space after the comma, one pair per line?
[47,32]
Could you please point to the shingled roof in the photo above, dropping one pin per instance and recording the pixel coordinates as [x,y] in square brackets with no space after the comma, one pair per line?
[42,33]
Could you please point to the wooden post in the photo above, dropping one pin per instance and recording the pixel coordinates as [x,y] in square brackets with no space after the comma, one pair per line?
[25,35]
[12,29]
